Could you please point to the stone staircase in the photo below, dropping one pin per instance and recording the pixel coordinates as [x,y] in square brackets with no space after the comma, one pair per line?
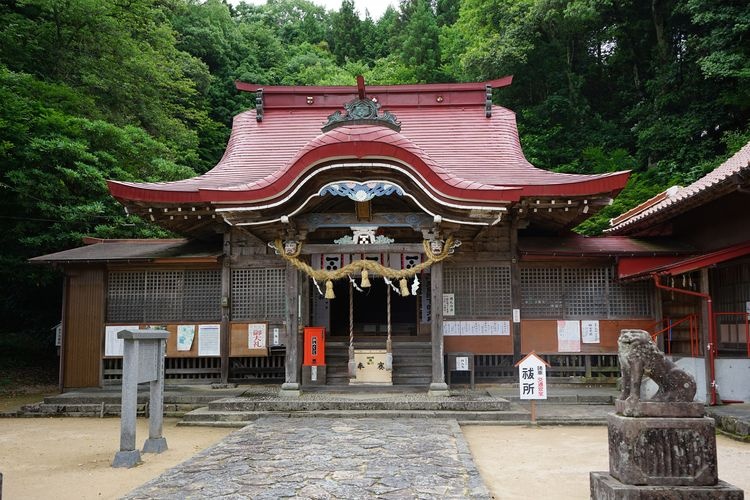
[463,406]
[106,403]
[412,361]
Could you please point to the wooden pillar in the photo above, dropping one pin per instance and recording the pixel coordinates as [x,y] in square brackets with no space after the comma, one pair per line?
[226,300]
[659,315]
[705,340]
[515,289]
[438,387]
[291,360]
[64,336]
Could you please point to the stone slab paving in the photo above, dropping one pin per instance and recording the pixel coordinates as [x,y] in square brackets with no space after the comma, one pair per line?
[328,458]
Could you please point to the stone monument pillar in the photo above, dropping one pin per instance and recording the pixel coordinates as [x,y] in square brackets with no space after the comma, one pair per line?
[143,361]
[664,448]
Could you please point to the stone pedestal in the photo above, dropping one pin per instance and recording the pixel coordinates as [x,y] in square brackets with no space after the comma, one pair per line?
[605,487]
[661,451]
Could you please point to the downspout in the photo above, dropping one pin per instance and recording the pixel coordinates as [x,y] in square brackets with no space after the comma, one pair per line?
[711,347]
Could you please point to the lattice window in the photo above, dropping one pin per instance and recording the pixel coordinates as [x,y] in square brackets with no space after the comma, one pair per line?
[479,290]
[125,296]
[258,294]
[163,301]
[631,300]
[202,300]
[152,296]
[542,292]
[578,292]
[586,291]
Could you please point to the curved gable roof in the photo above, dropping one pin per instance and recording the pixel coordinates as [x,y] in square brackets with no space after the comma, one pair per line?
[451,143]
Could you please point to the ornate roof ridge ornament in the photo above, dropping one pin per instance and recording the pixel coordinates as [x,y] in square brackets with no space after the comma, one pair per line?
[362,111]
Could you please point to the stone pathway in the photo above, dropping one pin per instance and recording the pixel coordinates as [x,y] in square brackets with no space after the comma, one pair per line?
[328,458]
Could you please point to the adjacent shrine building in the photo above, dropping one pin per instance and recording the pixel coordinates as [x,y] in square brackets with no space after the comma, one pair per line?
[404,220]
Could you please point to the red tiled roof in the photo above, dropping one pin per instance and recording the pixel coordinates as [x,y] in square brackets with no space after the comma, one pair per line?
[644,267]
[461,153]
[582,246]
[676,200]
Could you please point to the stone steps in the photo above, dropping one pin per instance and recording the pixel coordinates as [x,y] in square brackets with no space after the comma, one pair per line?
[304,405]
[100,409]
[412,361]
[573,399]
[208,418]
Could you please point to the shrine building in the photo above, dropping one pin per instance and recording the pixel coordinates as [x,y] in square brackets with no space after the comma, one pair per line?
[362,235]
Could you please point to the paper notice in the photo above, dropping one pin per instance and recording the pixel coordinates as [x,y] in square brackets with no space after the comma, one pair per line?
[569,336]
[185,337]
[209,340]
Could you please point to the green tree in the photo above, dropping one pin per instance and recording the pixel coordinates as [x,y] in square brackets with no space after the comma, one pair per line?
[123,55]
[345,38]
[55,157]
[420,48]
[294,22]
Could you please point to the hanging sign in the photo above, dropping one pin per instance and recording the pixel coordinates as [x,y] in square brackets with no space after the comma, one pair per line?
[462,363]
[516,315]
[449,304]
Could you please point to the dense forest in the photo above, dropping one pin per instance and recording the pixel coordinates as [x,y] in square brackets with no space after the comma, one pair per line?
[144,90]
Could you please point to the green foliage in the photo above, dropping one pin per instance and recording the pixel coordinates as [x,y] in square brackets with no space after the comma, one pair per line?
[346,34]
[420,46]
[145,90]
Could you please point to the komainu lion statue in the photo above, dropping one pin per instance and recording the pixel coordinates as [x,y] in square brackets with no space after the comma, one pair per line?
[639,356]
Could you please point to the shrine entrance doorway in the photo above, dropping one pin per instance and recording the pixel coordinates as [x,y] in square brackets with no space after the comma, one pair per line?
[370,311]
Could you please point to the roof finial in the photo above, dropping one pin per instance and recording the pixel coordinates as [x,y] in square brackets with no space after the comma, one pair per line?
[361,86]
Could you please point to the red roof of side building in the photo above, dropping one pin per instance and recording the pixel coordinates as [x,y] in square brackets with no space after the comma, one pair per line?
[677,199]
[603,246]
[445,139]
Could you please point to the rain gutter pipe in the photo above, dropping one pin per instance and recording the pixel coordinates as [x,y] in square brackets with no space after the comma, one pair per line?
[711,347]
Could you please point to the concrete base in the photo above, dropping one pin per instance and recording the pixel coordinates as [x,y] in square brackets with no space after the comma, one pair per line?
[662,451]
[440,390]
[127,459]
[155,445]
[606,487]
[290,390]
[230,385]
[319,373]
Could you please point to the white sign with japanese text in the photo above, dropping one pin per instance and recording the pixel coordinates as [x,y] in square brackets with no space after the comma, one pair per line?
[532,377]
[590,332]
[256,336]
[112,345]
[449,304]
[462,363]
